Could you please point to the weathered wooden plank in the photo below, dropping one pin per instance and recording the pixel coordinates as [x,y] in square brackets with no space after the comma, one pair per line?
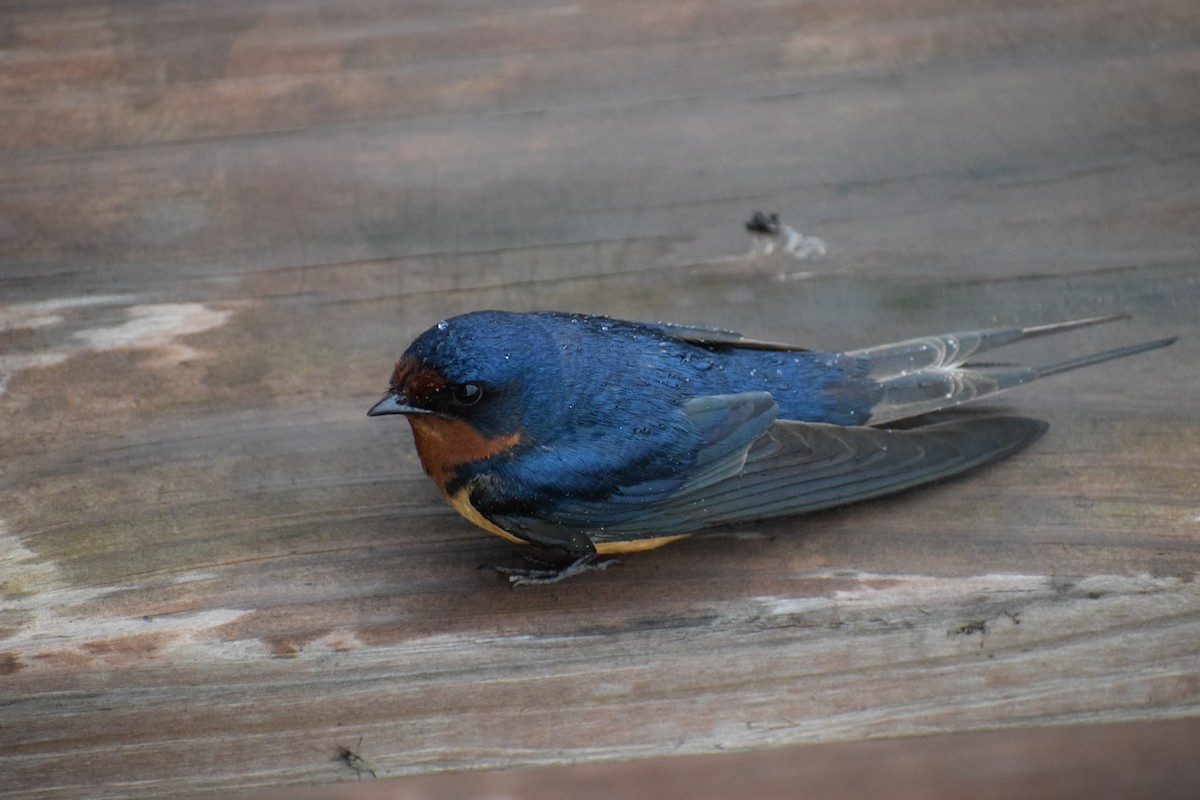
[219,224]
[1078,761]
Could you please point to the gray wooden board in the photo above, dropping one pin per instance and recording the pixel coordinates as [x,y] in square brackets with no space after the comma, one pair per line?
[221,223]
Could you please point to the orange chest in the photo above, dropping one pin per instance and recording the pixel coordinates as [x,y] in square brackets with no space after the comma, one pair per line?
[444,444]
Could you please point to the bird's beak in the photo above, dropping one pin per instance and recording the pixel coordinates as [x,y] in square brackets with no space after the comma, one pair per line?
[395,403]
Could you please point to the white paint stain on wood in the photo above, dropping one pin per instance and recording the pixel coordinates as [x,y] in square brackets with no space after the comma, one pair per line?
[147,326]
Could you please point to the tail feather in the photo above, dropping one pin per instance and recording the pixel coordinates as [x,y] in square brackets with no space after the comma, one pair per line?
[918,376]
[1107,355]
[952,349]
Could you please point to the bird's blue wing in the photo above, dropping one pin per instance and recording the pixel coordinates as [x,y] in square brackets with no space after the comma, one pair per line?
[798,467]
[789,468]
[707,444]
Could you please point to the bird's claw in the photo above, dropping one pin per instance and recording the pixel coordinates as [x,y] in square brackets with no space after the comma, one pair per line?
[546,573]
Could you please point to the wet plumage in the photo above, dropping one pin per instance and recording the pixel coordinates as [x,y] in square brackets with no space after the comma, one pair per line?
[585,435]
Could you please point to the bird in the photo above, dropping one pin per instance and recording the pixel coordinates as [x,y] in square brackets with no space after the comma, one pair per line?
[590,437]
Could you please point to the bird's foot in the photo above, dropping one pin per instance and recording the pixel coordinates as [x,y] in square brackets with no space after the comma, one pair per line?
[541,573]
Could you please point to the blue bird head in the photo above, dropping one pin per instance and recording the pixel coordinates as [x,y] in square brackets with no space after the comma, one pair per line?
[491,369]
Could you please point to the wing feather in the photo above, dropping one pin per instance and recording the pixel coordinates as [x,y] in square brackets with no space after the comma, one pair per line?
[790,468]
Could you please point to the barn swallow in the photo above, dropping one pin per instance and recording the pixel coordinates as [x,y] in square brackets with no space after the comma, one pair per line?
[587,436]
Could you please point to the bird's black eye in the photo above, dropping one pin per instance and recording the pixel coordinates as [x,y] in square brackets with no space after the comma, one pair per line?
[467,394]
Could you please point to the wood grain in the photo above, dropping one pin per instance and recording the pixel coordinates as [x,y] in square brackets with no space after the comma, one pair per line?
[221,223]
[1138,759]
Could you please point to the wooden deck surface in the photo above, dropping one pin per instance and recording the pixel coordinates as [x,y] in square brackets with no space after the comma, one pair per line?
[221,222]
